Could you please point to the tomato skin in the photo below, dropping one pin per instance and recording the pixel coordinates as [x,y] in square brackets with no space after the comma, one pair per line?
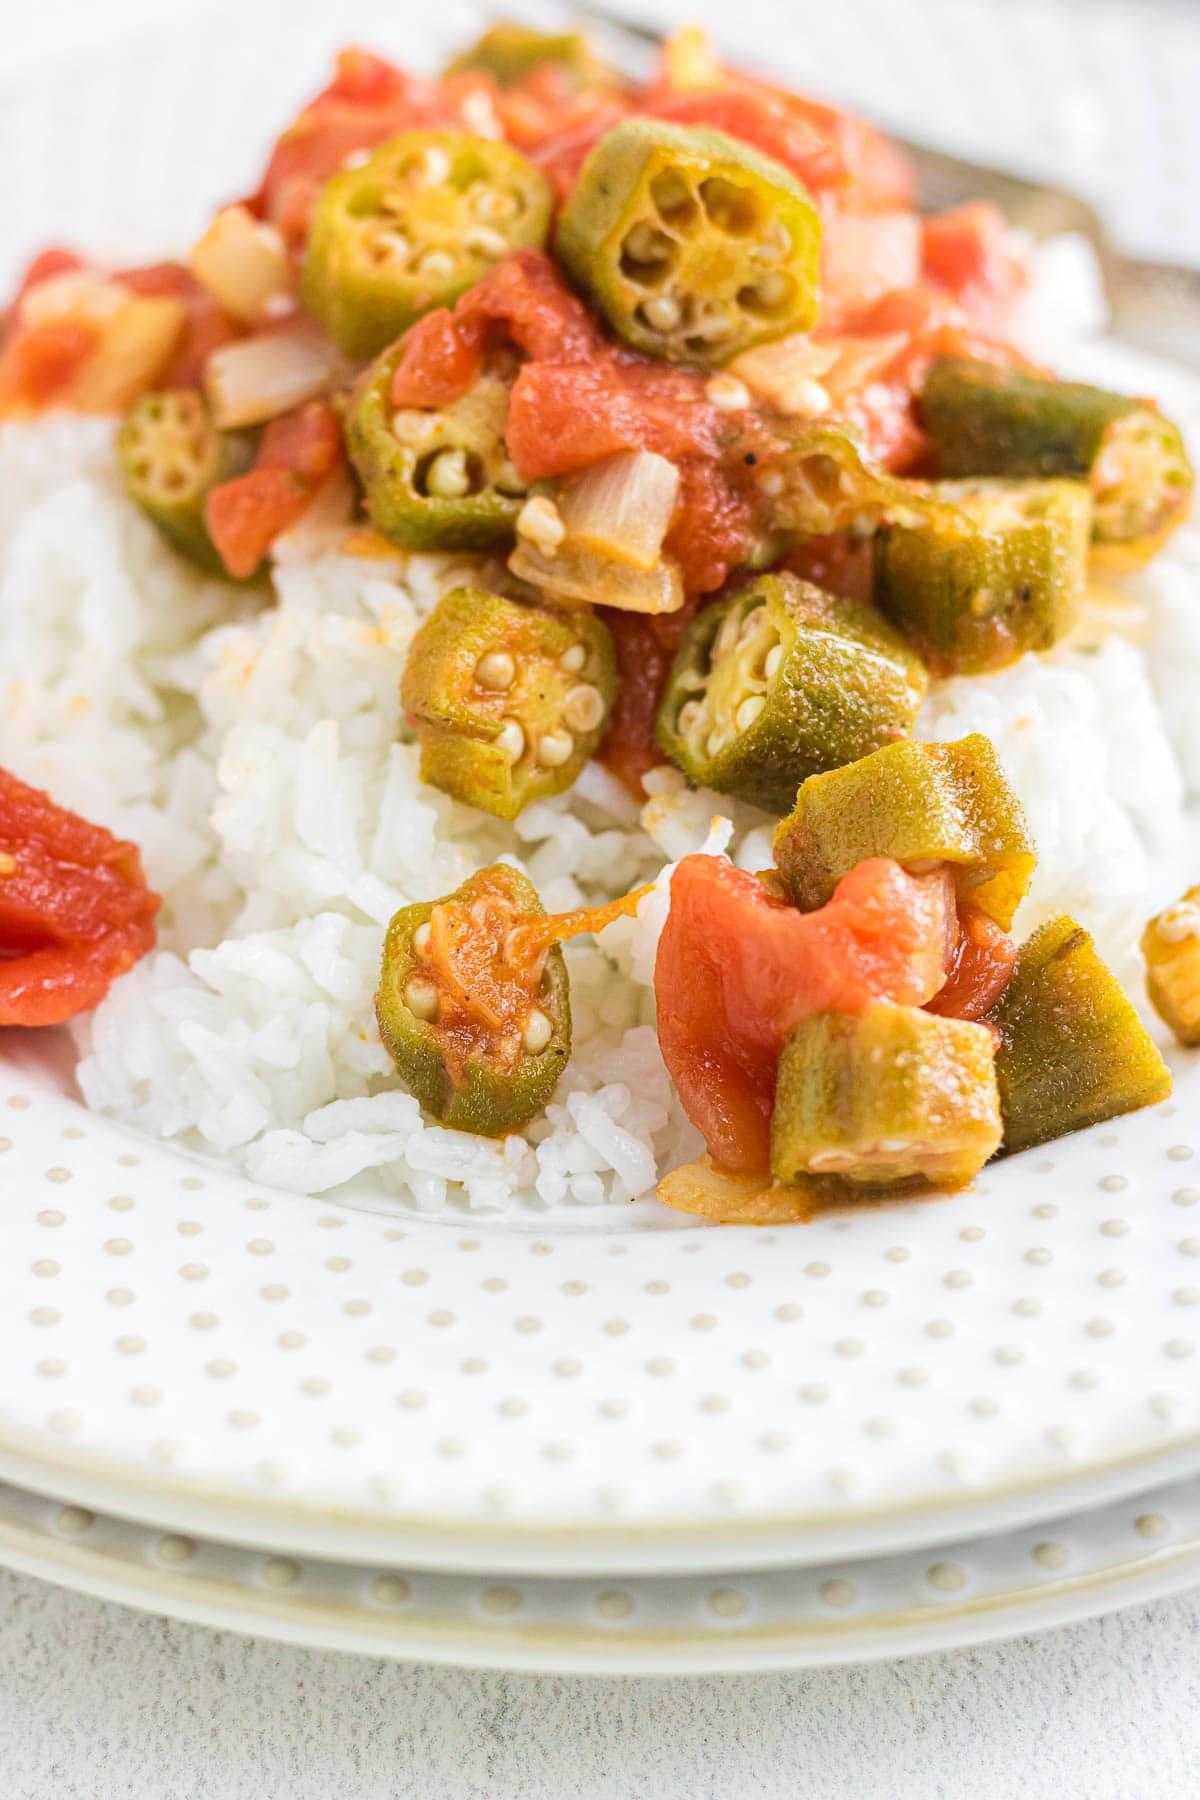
[522,299]
[245,516]
[980,968]
[645,650]
[75,910]
[738,970]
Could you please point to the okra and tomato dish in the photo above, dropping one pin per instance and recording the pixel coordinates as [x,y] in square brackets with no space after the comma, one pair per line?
[738,456]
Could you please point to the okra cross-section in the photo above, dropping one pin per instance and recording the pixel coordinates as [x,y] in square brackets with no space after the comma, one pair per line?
[509,700]
[479,1034]
[885,1097]
[692,245]
[995,571]
[779,681]
[919,804]
[437,479]
[1171,947]
[420,222]
[171,455]
[509,52]
[1073,1052]
[984,420]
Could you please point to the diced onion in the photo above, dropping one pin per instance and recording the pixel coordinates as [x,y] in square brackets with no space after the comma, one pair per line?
[574,574]
[242,263]
[689,61]
[134,345]
[787,374]
[261,377]
[79,295]
[864,257]
[621,508]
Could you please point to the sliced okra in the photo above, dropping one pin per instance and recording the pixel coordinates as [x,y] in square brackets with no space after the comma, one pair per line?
[1000,571]
[823,480]
[171,455]
[509,52]
[918,804]
[984,420]
[420,222]
[781,680]
[437,480]
[1072,1051]
[692,245]
[481,1044]
[1171,947]
[885,1097]
[509,700]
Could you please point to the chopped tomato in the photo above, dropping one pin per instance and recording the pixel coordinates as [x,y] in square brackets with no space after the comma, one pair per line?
[297,452]
[864,257]
[970,253]
[645,649]
[75,911]
[206,325]
[712,528]
[562,155]
[839,563]
[738,970]
[44,267]
[39,362]
[567,416]
[777,125]
[980,968]
[523,300]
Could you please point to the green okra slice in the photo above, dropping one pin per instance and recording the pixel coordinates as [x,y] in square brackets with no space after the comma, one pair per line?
[1171,947]
[437,480]
[508,52]
[779,681]
[824,480]
[171,455]
[417,224]
[999,570]
[885,1097]
[692,245]
[984,420]
[1072,1051]
[483,1057]
[919,804]
[509,700]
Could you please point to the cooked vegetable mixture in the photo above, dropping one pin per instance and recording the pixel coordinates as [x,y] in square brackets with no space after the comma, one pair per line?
[745,456]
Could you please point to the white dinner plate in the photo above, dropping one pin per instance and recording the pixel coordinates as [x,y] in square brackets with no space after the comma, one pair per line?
[580,1392]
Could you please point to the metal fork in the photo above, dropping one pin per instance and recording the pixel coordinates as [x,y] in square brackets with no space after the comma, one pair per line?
[1155,305]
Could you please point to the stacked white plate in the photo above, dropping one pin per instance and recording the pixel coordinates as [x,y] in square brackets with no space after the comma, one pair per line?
[621,1443]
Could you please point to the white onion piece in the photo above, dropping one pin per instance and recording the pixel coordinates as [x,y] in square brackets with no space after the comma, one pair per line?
[242,263]
[261,377]
[865,257]
[622,507]
[134,345]
[787,374]
[574,574]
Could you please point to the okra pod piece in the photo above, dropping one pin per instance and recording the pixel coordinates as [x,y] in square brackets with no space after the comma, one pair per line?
[421,221]
[691,244]
[510,52]
[509,700]
[779,681]
[1072,1051]
[479,1040]
[885,1097]
[984,420]
[170,455]
[918,804]
[823,480]
[437,480]
[1171,947]
[999,571]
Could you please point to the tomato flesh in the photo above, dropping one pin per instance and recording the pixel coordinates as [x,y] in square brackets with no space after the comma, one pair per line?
[738,970]
[75,910]
[245,516]
[980,967]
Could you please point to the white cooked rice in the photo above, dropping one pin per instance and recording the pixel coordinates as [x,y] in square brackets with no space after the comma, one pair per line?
[254,756]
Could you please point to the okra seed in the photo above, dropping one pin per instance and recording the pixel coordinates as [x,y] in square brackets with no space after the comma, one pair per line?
[421,999]
[575,658]
[438,265]
[392,245]
[716,744]
[510,738]
[448,477]
[421,937]
[434,166]
[690,716]
[485,240]
[540,522]
[662,312]
[647,245]
[538,1032]
[496,670]
[749,710]
[554,749]
[772,288]
[583,708]
[774,658]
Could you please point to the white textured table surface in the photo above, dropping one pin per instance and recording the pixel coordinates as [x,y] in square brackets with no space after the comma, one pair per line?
[99,1703]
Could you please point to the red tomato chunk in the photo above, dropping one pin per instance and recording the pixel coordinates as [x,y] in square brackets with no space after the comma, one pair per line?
[75,911]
